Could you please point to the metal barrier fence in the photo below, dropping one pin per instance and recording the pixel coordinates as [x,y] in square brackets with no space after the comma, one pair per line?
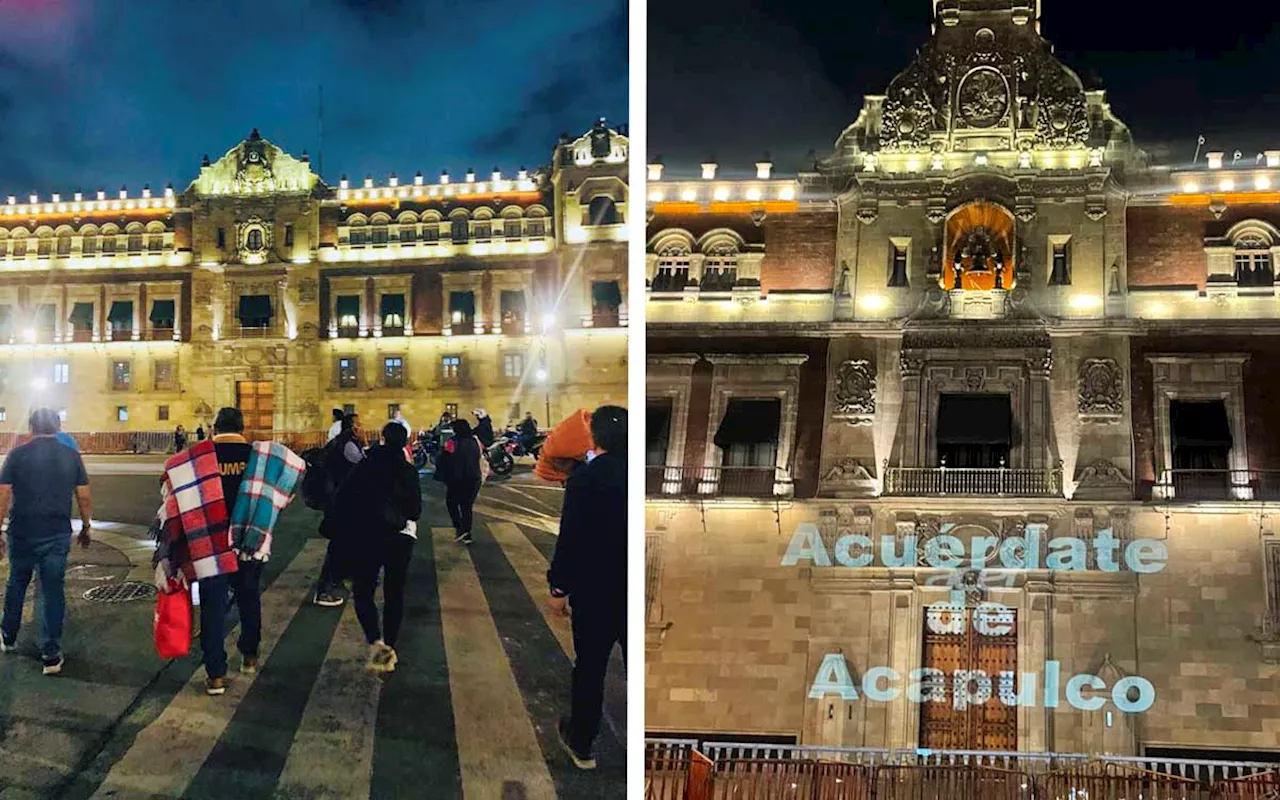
[750,771]
[159,442]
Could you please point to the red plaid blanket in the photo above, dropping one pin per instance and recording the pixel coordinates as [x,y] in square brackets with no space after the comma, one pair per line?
[196,522]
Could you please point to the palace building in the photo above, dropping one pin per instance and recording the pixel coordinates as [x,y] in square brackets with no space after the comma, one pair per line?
[985,316]
[261,286]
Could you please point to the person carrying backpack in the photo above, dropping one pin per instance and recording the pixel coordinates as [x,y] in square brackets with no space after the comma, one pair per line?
[341,455]
[462,469]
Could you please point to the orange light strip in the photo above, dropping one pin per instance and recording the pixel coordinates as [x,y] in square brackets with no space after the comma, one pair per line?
[725,208]
[1234,197]
[14,218]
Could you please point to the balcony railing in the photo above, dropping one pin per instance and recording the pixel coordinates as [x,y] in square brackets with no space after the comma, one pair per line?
[717,482]
[676,769]
[972,482]
[160,442]
[1209,485]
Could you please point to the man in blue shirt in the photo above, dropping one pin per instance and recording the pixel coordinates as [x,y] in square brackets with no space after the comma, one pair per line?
[38,480]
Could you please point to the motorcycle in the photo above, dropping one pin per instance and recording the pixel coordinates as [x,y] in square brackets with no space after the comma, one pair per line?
[499,456]
[425,449]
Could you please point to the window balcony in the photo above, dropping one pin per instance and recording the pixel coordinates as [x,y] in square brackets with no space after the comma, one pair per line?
[717,482]
[972,482]
[161,334]
[1217,485]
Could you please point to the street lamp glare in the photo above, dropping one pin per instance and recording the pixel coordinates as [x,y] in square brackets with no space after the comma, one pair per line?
[29,334]
[38,384]
[548,321]
[542,375]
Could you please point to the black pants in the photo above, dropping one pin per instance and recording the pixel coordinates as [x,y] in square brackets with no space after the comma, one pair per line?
[330,582]
[246,585]
[392,560]
[459,498]
[597,625]
[215,607]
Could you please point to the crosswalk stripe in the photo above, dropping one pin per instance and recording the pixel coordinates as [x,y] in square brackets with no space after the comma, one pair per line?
[168,753]
[531,568]
[332,752]
[498,751]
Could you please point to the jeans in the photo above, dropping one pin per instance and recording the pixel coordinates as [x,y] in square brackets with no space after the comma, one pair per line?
[214,603]
[49,557]
[393,560]
[329,582]
[459,498]
[597,624]
[246,585]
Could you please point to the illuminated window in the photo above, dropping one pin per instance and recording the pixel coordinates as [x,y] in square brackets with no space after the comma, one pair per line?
[459,230]
[348,311]
[122,414]
[1253,262]
[62,372]
[451,409]
[720,269]
[512,365]
[62,415]
[163,373]
[392,313]
[673,269]
[462,311]
[513,311]
[348,376]
[19,246]
[393,371]
[4,415]
[450,366]
[121,375]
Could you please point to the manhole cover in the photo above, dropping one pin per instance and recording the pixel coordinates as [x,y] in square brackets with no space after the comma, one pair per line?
[120,592]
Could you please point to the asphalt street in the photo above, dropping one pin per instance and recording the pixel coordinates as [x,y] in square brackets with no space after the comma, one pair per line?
[470,711]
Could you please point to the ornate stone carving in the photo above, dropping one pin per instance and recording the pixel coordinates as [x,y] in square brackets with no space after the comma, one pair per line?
[974,378]
[856,391]
[1101,389]
[983,98]
[849,470]
[307,290]
[867,214]
[967,338]
[1101,474]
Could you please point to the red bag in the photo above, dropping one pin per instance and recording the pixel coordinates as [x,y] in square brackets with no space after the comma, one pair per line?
[173,622]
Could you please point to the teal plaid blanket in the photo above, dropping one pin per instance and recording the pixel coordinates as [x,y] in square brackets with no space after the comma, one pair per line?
[272,473]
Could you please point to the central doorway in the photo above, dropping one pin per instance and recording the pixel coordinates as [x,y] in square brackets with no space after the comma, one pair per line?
[952,643]
[256,400]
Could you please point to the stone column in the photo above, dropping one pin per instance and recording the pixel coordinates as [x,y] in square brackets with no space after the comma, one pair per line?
[912,422]
[1040,429]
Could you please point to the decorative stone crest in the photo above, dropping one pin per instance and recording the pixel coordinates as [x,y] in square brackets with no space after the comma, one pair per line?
[307,290]
[983,98]
[848,470]
[856,392]
[1102,474]
[1101,390]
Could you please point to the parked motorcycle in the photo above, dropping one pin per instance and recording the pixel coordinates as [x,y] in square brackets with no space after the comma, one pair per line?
[499,456]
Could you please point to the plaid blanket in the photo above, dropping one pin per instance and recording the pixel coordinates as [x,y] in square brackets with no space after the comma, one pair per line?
[196,529]
[269,480]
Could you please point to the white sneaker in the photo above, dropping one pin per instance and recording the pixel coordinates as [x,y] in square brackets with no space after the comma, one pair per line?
[6,647]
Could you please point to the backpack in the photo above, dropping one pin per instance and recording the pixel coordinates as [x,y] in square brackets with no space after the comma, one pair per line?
[317,483]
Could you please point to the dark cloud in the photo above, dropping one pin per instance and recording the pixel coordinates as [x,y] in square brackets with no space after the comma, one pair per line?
[101,94]
[735,77]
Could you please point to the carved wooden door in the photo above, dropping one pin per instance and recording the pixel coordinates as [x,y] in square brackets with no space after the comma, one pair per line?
[951,644]
[256,401]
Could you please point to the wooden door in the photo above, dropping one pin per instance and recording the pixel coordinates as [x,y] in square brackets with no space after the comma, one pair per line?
[256,400]
[949,647]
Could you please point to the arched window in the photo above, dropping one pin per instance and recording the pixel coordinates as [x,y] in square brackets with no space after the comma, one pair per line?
[64,243]
[720,269]
[673,268]
[602,211]
[379,234]
[459,230]
[536,227]
[254,240]
[1253,262]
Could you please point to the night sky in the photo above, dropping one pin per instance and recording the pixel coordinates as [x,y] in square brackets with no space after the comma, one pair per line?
[730,79]
[100,93]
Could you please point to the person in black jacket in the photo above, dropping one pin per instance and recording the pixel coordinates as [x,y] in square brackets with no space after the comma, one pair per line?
[484,427]
[589,573]
[458,468]
[377,509]
[341,455]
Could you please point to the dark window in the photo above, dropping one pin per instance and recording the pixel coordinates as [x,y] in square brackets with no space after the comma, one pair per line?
[109,244]
[162,315]
[380,234]
[81,320]
[462,311]
[155,242]
[393,371]
[431,232]
[164,375]
[1060,275]
[975,431]
[459,230]
[89,244]
[64,245]
[673,270]
[392,408]
[6,324]
[222,238]
[606,304]
[748,435]
[602,211]
[20,247]
[288,235]
[1201,443]
[348,311]
[537,228]
[121,374]
[511,228]
[392,313]
[513,311]
[359,237]
[254,240]
[44,246]
[348,377]
[255,311]
[484,231]
[657,436]
[897,265]
[120,318]
[1254,269]
[135,243]
[162,413]
[408,235]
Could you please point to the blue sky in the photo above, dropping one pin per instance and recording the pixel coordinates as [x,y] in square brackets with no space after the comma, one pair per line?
[100,93]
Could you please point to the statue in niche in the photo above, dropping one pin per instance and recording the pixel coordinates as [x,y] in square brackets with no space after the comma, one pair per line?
[1113,280]
[600,145]
[842,283]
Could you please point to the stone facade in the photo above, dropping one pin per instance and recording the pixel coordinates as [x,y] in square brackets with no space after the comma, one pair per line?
[136,313]
[985,232]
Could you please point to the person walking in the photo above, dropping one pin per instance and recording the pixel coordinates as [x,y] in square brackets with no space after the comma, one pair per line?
[461,469]
[342,454]
[37,481]
[179,438]
[200,432]
[589,574]
[484,427]
[378,507]
[336,427]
